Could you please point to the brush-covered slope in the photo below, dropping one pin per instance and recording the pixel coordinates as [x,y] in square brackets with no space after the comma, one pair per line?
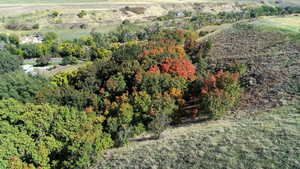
[270,48]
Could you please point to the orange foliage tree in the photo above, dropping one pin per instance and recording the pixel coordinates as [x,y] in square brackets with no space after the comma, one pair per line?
[179,67]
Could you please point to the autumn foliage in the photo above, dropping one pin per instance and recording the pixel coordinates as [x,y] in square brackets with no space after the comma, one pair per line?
[180,67]
[219,93]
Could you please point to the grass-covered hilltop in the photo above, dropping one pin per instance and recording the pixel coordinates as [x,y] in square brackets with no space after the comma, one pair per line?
[156,84]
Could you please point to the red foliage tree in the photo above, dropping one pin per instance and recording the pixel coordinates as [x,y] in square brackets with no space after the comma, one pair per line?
[180,67]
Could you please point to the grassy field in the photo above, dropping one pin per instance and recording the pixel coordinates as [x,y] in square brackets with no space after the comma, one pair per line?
[269,140]
[289,25]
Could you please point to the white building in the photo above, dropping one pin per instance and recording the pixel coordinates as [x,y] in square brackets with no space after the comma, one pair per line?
[31,39]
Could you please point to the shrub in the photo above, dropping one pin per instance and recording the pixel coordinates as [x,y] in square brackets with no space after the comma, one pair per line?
[50,36]
[54,14]
[4,37]
[141,102]
[71,49]
[9,62]
[128,51]
[237,67]
[70,60]
[220,93]
[31,50]
[63,78]
[126,22]
[13,49]
[81,14]
[100,54]
[14,39]
[101,40]
[162,111]
[118,124]
[43,61]
[52,136]
[83,26]
[116,83]
[14,25]
[36,26]
[176,35]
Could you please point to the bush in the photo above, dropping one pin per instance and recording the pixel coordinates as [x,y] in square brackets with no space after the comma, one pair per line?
[13,49]
[52,136]
[36,26]
[100,54]
[70,60]
[50,36]
[54,14]
[81,14]
[14,39]
[220,93]
[9,62]
[43,61]
[4,37]
[116,84]
[31,50]
[119,122]
[63,78]
[71,49]
[101,40]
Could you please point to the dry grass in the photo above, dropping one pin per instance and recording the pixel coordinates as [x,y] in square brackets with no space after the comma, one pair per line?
[269,140]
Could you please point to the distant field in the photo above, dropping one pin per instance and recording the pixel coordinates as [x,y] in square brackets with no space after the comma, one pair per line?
[89,1]
[291,23]
[82,1]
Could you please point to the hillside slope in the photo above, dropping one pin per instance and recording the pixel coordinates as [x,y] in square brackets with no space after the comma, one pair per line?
[269,141]
[270,48]
[252,139]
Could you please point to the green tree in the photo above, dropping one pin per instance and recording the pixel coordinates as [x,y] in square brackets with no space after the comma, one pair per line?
[100,54]
[49,136]
[14,39]
[21,86]
[31,50]
[9,62]
[3,37]
[50,36]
